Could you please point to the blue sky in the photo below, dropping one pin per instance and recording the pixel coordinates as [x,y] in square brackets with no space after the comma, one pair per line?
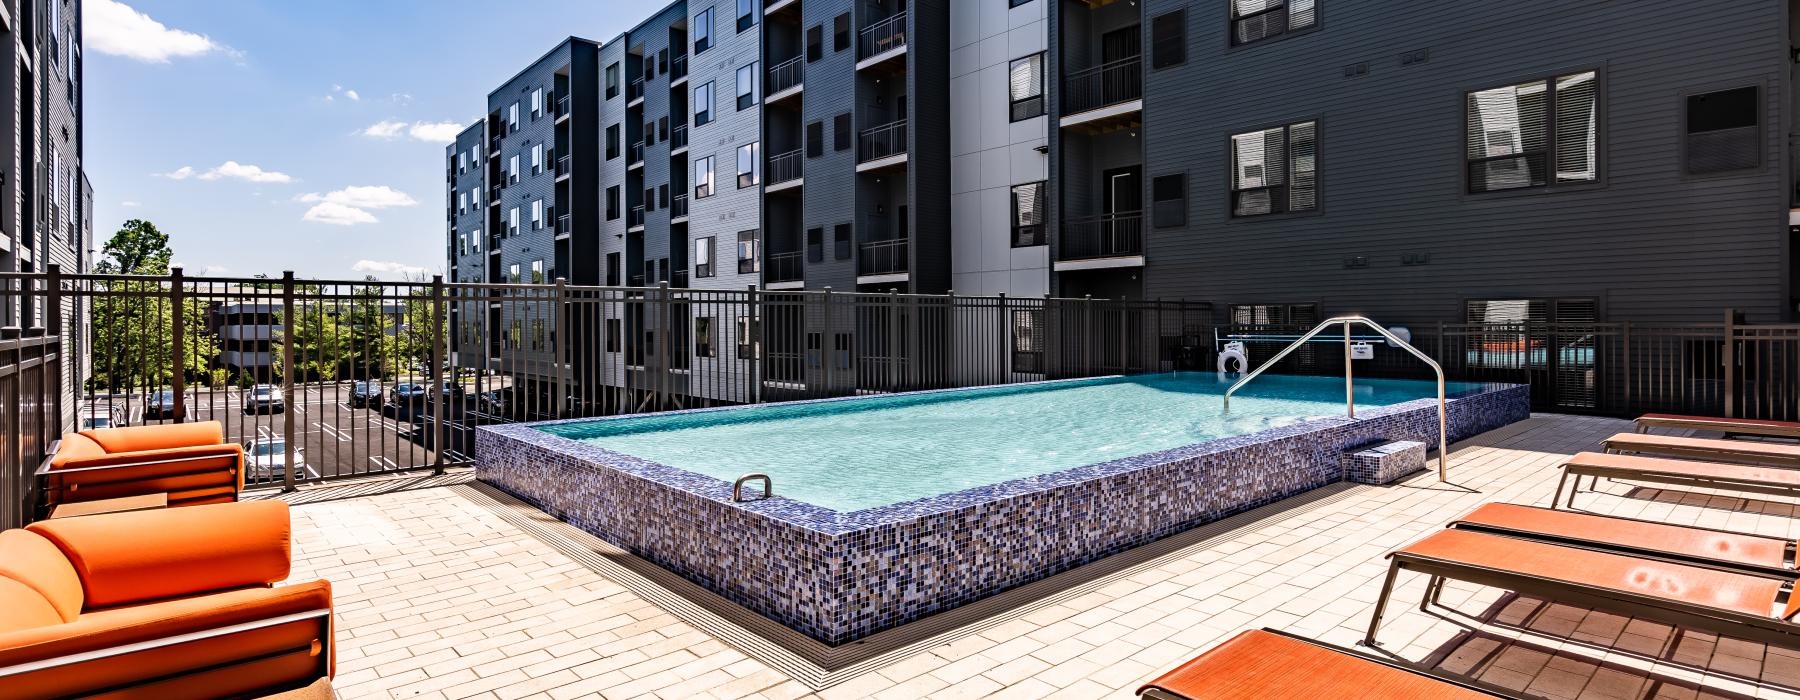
[267,135]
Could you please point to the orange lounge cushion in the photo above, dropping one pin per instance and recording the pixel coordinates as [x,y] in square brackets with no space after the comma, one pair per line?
[22,607]
[217,454]
[36,563]
[1723,423]
[1257,664]
[1674,444]
[1769,552]
[140,556]
[157,437]
[1687,469]
[75,446]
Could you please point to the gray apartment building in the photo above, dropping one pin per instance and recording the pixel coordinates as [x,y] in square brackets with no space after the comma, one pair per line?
[1281,159]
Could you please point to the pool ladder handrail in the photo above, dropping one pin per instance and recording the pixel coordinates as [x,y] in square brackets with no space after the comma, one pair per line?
[1349,381]
[737,487]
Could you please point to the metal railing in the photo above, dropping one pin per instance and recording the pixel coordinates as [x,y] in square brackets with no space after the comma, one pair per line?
[1103,85]
[634,90]
[1350,381]
[883,36]
[564,224]
[784,167]
[560,108]
[635,217]
[784,267]
[1103,236]
[881,257]
[678,207]
[635,154]
[787,74]
[35,403]
[678,67]
[882,141]
[564,164]
[678,137]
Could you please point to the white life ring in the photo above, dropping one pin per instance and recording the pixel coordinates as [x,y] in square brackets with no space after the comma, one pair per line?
[1234,352]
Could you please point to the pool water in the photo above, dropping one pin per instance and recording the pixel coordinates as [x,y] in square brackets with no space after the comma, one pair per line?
[857,454]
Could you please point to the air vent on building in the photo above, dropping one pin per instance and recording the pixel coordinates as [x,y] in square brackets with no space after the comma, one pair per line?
[1415,57]
[1356,70]
[1415,258]
[1356,261]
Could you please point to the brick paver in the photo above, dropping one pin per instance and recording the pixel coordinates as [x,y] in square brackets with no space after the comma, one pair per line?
[439,597]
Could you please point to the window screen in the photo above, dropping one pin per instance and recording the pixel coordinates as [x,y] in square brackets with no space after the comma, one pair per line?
[840,38]
[841,128]
[815,139]
[1168,196]
[1168,39]
[815,43]
[1723,131]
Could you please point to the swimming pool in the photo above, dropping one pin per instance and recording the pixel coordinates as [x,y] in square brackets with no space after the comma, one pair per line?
[854,455]
[890,509]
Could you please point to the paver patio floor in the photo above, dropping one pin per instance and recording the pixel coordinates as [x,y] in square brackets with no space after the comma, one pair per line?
[440,594]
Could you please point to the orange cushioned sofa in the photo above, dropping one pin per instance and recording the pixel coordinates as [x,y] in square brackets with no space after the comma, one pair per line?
[159,603]
[191,462]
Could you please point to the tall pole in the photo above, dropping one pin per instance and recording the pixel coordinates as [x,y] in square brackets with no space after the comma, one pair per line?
[287,380]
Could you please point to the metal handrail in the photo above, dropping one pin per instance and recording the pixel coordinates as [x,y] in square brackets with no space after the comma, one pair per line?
[1349,391]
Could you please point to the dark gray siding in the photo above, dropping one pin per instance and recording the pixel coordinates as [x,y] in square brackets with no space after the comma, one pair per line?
[830,196]
[928,167]
[1651,244]
[529,244]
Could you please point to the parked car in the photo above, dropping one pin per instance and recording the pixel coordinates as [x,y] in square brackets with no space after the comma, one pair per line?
[408,393]
[264,398]
[495,402]
[365,393]
[160,405]
[268,459]
[96,416]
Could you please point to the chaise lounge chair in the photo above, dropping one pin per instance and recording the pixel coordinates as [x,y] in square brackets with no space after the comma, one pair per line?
[1729,426]
[191,462]
[1260,664]
[1741,451]
[1749,478]
[1643,538]
[160,603]
[1745,605]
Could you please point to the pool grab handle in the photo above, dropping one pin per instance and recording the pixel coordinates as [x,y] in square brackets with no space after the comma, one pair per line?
[1349,397]
[737,487]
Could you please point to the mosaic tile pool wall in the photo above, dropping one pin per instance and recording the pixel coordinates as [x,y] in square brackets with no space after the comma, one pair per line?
[838,577]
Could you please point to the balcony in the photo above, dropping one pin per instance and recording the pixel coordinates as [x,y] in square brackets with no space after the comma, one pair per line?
[494,144]
[1106,96]
[784,267]
[494,194]
[678,279]
[678,69]
[634,92]
[635,156]
[564,225]
[881,41]
[882,146]
[882,260]
[560,108]
[1106,240]
[775,7]
[563,165]
[678,138]
[635,217]
[784,168]
[786,79]
[678,207]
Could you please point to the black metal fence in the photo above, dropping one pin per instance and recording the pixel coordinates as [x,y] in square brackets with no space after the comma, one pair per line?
[32,415]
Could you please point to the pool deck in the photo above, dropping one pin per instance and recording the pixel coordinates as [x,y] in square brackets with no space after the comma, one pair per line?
[447,588]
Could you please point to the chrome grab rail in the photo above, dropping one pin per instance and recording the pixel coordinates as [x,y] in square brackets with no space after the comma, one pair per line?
[1349,395]
[737,487]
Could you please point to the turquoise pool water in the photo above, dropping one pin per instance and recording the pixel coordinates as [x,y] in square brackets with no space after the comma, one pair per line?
[863,453]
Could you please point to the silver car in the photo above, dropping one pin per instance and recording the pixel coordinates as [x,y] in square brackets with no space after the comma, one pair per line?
[268,459]
[264,398]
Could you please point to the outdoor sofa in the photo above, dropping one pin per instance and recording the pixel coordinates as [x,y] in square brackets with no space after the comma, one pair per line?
[1260,664]
[191,462]
[1751,478]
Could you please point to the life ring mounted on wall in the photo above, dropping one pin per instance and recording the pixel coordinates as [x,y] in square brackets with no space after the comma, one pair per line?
[1234,354]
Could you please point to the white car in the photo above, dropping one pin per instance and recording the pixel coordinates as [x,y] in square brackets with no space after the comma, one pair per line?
[264,398]
[268,459]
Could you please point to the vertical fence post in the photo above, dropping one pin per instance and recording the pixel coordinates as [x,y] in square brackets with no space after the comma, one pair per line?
[1004,341]
[827,343]
[435,374]
[287,379]
[1087,328]
[665,323]
[1625,362]
[893,357]
[1729,355]
[1349,381]
[178,342]
[65,354]
[563,338]
[753,312]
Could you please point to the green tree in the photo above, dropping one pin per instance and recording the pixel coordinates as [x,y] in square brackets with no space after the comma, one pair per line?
[134,321]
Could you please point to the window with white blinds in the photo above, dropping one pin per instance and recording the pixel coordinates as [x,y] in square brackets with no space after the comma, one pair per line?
[1275,170]
[1025,85]
[1256,20]
[1534,134]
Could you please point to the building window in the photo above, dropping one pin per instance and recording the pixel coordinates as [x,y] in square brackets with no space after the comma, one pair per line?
[1168,201]
[840,28]
[537,103]
[703,31]
[1722,131]
[612,269]
[512,275]
[746,86]
[1028,340]
[662,193]
[662,127]
[512,169]
[649,133]
[1028,214]
[1168,39]
[612,203]
[815,43]
[613,142]
[749,167]
[703,104]
[1256,20]
[612,81]
[649,199]
[537,158]
[1518,133]
[840,127]
[462,202]
[512,224]
[747,261]
[1274,170]
[704,343]
[537,214]
[1026,83]
[1274,314]
[703,177]
[746,15]
[703,257]
[614,333]
[462,162]
[815,139]
[475,240]
[537,272]
[840,241]
[512,118]
[815,245]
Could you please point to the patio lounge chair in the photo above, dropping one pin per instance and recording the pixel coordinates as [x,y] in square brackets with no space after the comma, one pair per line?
[1729,426]
[1745,605]
[1679,543]
[191,462]
[1268,664]
[1749,478]
[1744,451]
[160,603]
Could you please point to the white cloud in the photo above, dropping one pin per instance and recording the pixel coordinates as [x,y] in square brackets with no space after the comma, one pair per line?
[112,27]
[128,204]
[229,169]
[352,95]
[429,132]
[182,173]
[380,267]
[350,206]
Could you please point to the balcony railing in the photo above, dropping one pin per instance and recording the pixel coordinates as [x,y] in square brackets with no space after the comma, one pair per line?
[787,74]
[561,106]
[636,154]
[678,137]
[678,68]
[564,164]
[494,143]
[679,207]
[784,167]
[494,193]
[785,267]
[563,225]
[635,217]
[882,257]
[678,279]
[1104,236]
[1103,85]
[634,90]
[883,36]
[882,141]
